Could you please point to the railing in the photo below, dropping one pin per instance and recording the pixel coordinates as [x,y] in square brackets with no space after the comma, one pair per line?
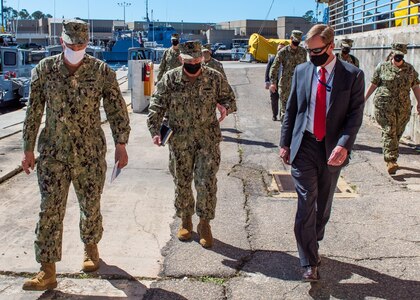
[350,16]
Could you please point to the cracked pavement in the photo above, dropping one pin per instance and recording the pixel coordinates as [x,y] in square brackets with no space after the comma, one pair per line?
[371,249]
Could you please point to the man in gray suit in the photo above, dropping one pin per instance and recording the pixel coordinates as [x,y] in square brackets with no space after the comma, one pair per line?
[323,115]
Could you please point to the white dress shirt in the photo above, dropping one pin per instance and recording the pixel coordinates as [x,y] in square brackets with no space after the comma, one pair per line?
[311,113]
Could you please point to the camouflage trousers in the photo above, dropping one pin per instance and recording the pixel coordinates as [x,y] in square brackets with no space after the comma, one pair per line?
[392,118]
[284,95]
[54,178]
[200,162]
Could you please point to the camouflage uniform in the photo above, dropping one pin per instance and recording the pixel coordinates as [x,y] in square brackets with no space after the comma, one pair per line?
[169,60]
[72,145]
[392,103]
[351,59]
[213,63]
[194,145]
[288,58]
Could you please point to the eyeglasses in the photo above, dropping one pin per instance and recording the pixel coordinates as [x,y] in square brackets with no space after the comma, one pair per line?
[317,50]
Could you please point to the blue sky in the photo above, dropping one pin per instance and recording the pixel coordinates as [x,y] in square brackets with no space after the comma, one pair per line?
[211,11]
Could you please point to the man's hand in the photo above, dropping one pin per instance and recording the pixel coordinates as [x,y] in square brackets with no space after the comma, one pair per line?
[267,85]
[284,154]
[223,112]
[28,161]
[338,156]
[157,141]
[273,88]
[121,155]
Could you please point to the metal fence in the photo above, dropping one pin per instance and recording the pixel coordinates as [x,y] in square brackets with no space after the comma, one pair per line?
[351,16]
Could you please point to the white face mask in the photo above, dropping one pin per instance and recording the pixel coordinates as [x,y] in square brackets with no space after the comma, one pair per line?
[74,57]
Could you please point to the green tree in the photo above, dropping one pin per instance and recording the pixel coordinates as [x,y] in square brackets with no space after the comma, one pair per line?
[37,15]
[48,16]
[23,14]
[309,16]
[9,12]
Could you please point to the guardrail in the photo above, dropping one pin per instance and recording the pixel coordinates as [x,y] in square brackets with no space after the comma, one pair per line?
[351,16]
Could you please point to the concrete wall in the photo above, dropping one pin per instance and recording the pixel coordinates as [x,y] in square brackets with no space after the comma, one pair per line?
[369,59]
[285,25]
[246,28]
[220,36]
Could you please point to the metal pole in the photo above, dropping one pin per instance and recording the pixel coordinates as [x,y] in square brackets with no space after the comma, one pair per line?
[2,17]
[54,23]
[124,5]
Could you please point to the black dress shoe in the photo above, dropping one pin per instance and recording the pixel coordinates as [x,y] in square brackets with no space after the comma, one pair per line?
[274,118]
[311,274]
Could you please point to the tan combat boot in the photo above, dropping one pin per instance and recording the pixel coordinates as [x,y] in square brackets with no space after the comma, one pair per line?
[184,232]
[204,231]
[44,280]
[392,167]
[91,260]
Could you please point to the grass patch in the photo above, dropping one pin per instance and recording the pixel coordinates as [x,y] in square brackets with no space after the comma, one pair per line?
[214,280]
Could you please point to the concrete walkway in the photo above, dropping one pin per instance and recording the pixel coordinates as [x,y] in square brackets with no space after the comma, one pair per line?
[371,249]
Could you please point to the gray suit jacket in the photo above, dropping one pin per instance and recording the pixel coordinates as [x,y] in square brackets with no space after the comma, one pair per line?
[344,116]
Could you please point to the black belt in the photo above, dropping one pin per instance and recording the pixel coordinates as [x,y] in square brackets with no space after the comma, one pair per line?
[312,136]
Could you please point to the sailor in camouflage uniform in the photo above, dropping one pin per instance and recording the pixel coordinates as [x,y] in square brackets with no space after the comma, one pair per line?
[170,58]
[393,80]
[190,95]
[211,62]
[345,55]
[288,57]
[72,145]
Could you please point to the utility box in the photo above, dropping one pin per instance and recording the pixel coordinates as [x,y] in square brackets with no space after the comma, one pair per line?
[141,82]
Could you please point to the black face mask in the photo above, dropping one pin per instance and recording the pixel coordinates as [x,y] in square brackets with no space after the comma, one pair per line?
[192,68]
[295,43]
[319,60]
[175,42]
[398,57]
[345,50]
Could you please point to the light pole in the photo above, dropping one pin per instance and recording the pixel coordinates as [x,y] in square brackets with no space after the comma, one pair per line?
[124,5]
[2,17]
[54,22]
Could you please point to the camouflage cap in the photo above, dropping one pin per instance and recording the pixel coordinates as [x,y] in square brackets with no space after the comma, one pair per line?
[399,48]
[296,35]
[175,36]
[346,43]
[75,32]
[190,50]
[206,47]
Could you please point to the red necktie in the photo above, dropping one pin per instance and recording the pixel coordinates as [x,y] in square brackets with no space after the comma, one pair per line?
[320,107]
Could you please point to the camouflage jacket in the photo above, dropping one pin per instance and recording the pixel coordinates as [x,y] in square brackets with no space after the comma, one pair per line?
[169,61]
[215,64]
[288,58]
[190,106]
[395,82]
[351,59]
[72,129]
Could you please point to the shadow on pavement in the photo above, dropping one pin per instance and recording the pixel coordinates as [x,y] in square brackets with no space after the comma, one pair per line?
[121,280]
[232,130]
[361,282]
[248,142]
[402,149]
[414,173]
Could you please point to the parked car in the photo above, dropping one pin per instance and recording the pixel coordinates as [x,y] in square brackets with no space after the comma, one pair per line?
[30,46]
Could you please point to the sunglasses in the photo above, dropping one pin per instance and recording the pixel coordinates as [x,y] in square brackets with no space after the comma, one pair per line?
[317,50]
